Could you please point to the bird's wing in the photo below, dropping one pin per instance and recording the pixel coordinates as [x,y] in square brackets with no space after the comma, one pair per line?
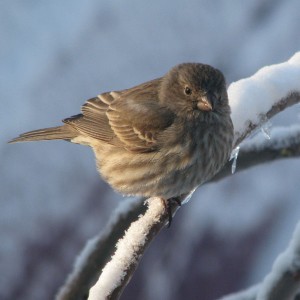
[131,118]
[93,120]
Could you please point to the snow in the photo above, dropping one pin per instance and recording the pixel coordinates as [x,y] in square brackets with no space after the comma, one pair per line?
[249,294]
[127,248]
[91,245]
[251,97]
[288,261]
[282,136]
[122,209]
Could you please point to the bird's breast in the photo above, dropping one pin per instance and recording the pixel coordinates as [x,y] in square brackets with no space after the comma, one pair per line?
[187,158]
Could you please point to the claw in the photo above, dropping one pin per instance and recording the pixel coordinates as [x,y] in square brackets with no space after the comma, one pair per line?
[168,207]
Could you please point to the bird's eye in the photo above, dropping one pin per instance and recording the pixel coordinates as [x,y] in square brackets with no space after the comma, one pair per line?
[187,90]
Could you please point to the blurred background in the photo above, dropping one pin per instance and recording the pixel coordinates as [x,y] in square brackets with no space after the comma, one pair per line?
[56,54]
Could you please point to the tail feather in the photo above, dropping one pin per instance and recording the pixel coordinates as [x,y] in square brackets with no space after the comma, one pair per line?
[64,132]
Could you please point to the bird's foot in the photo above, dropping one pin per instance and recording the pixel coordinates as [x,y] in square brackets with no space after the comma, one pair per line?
[168,203]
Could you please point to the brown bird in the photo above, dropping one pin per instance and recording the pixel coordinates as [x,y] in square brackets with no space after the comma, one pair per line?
[161,138]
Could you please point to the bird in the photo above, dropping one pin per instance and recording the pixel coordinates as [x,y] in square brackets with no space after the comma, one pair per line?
[162,138]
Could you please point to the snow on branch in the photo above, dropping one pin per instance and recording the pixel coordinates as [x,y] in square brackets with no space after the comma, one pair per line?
[283,282]
[284,143]
[256,99]
[253,101]
[97,251]
[130,248]
[248,294]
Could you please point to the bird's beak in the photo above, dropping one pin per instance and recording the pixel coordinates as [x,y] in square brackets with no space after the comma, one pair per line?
[204,104]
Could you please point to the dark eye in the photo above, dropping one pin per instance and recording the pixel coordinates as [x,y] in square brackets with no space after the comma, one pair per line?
[187,90]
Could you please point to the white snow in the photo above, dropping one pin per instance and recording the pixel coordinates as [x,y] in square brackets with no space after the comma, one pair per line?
[249,294]
[127,248]
[288,261]
[253,96]
[281,137]
[122,209]
[91,245]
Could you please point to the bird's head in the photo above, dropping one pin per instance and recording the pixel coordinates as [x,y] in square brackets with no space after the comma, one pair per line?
[194,90]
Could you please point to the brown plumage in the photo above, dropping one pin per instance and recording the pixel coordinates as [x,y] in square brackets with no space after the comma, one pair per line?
[161,138]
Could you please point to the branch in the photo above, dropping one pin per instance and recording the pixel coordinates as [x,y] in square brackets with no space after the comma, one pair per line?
[256,99]
[97,251]
[270,91]
[248,294]
[284,143]
[280,105]
[129,251]
[283,282]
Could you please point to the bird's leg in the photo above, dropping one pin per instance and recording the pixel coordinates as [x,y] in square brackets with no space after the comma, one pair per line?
[168,207]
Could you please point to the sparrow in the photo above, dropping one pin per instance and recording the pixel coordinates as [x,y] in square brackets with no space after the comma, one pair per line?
[163,138]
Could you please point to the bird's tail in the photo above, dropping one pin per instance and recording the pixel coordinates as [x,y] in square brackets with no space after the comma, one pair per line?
[64,132]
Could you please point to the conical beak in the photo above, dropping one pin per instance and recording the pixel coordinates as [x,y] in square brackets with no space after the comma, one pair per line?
[204,104]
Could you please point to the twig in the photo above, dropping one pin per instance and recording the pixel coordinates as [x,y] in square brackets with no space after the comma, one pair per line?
[283,282]
[128,253]
[248,294]
[98,251]
[285,143]
[279,106]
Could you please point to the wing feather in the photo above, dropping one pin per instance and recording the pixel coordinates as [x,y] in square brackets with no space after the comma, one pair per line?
[93,120]
[131,118]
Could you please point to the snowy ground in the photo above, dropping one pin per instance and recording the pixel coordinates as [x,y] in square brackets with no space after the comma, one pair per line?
[54,55]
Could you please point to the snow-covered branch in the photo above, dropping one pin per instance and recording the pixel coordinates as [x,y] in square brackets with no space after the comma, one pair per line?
[283,282]
[253,101]
[129,250]
[258,98]
[284,143]
[98,250]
